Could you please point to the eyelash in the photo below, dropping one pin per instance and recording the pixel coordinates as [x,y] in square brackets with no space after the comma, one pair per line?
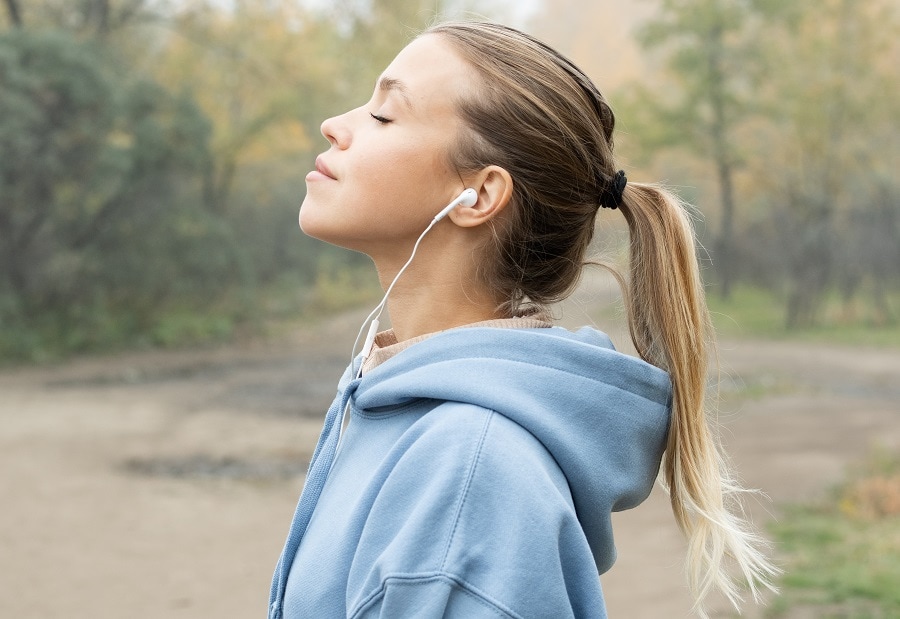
[380,119]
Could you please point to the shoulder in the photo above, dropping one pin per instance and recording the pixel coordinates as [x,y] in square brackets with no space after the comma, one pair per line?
[473,478]
[510,481]
[461,467]
[477,442]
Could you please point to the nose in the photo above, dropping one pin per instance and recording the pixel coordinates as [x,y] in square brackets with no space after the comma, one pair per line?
[336,131]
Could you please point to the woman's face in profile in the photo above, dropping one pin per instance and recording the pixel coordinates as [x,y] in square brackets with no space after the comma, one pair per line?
[386,173]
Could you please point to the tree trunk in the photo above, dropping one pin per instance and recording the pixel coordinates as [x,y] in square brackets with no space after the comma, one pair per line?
[102,18]
[724,165]
[725,246]
[15,16]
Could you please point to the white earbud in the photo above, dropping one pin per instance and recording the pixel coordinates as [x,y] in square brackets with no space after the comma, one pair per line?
[467,198]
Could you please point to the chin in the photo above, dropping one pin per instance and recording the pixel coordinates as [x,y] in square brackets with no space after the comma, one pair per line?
[322,231]
[328,226]
[311,224]
[312,230]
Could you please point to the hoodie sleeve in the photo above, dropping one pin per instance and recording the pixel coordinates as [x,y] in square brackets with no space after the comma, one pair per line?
[475,519]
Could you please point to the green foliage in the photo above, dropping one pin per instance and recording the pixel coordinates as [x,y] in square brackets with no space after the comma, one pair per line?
[191,326]
[100,218]
[120,224]
[843,558]
[341,283]
[748,312]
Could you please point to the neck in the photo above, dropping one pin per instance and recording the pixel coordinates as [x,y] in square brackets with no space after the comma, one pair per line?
[437,292]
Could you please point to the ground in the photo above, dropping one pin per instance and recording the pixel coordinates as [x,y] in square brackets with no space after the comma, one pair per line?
[161,484]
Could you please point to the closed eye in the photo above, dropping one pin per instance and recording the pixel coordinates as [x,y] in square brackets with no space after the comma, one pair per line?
[380,119]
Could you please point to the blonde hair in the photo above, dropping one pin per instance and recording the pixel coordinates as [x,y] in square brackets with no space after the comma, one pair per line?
[537,115]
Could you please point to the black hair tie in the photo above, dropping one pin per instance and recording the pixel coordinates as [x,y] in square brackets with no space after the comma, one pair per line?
[611,197]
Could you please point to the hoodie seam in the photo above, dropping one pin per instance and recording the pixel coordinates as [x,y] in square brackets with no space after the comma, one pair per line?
[411,580]
[476,457]
[570,373]
[595,377]
[579,375]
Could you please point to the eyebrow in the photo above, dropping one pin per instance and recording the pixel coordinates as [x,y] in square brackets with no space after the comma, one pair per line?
[390,84]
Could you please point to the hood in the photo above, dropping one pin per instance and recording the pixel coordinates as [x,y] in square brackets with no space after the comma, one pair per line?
[602,415]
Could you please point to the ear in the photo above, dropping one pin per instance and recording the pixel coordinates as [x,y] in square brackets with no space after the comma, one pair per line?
[494,187]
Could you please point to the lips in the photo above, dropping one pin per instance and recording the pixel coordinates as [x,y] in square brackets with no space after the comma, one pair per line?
[323,169]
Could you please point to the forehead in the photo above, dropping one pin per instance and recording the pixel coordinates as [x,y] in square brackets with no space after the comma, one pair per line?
[427,74]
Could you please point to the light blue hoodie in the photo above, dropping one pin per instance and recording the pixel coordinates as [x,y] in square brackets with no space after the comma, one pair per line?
[476,479]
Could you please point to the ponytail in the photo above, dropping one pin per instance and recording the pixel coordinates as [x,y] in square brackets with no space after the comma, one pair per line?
[671,329]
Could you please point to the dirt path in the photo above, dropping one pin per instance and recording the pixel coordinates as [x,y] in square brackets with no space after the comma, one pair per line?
[161,484]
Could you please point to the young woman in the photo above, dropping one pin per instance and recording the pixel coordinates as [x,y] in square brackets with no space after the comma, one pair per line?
[485,448]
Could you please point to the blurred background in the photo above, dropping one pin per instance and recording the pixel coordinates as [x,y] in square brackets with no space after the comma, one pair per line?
[170,339]
[153,150]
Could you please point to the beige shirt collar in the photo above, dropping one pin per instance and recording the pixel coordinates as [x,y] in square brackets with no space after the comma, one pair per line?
[386,344]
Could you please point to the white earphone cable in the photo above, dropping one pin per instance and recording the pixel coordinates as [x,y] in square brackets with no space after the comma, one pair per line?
[372,319]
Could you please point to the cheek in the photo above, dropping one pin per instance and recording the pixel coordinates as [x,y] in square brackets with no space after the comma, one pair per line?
[383,175]
[411,184]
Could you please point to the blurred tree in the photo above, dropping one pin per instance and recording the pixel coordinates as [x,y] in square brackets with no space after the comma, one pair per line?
[15,14]
[266,73]
[371,35]
[83,17]
[829,154]
[802,98]
[372,32]
[869,252]
[262,72]
[93,169]
[710,62]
